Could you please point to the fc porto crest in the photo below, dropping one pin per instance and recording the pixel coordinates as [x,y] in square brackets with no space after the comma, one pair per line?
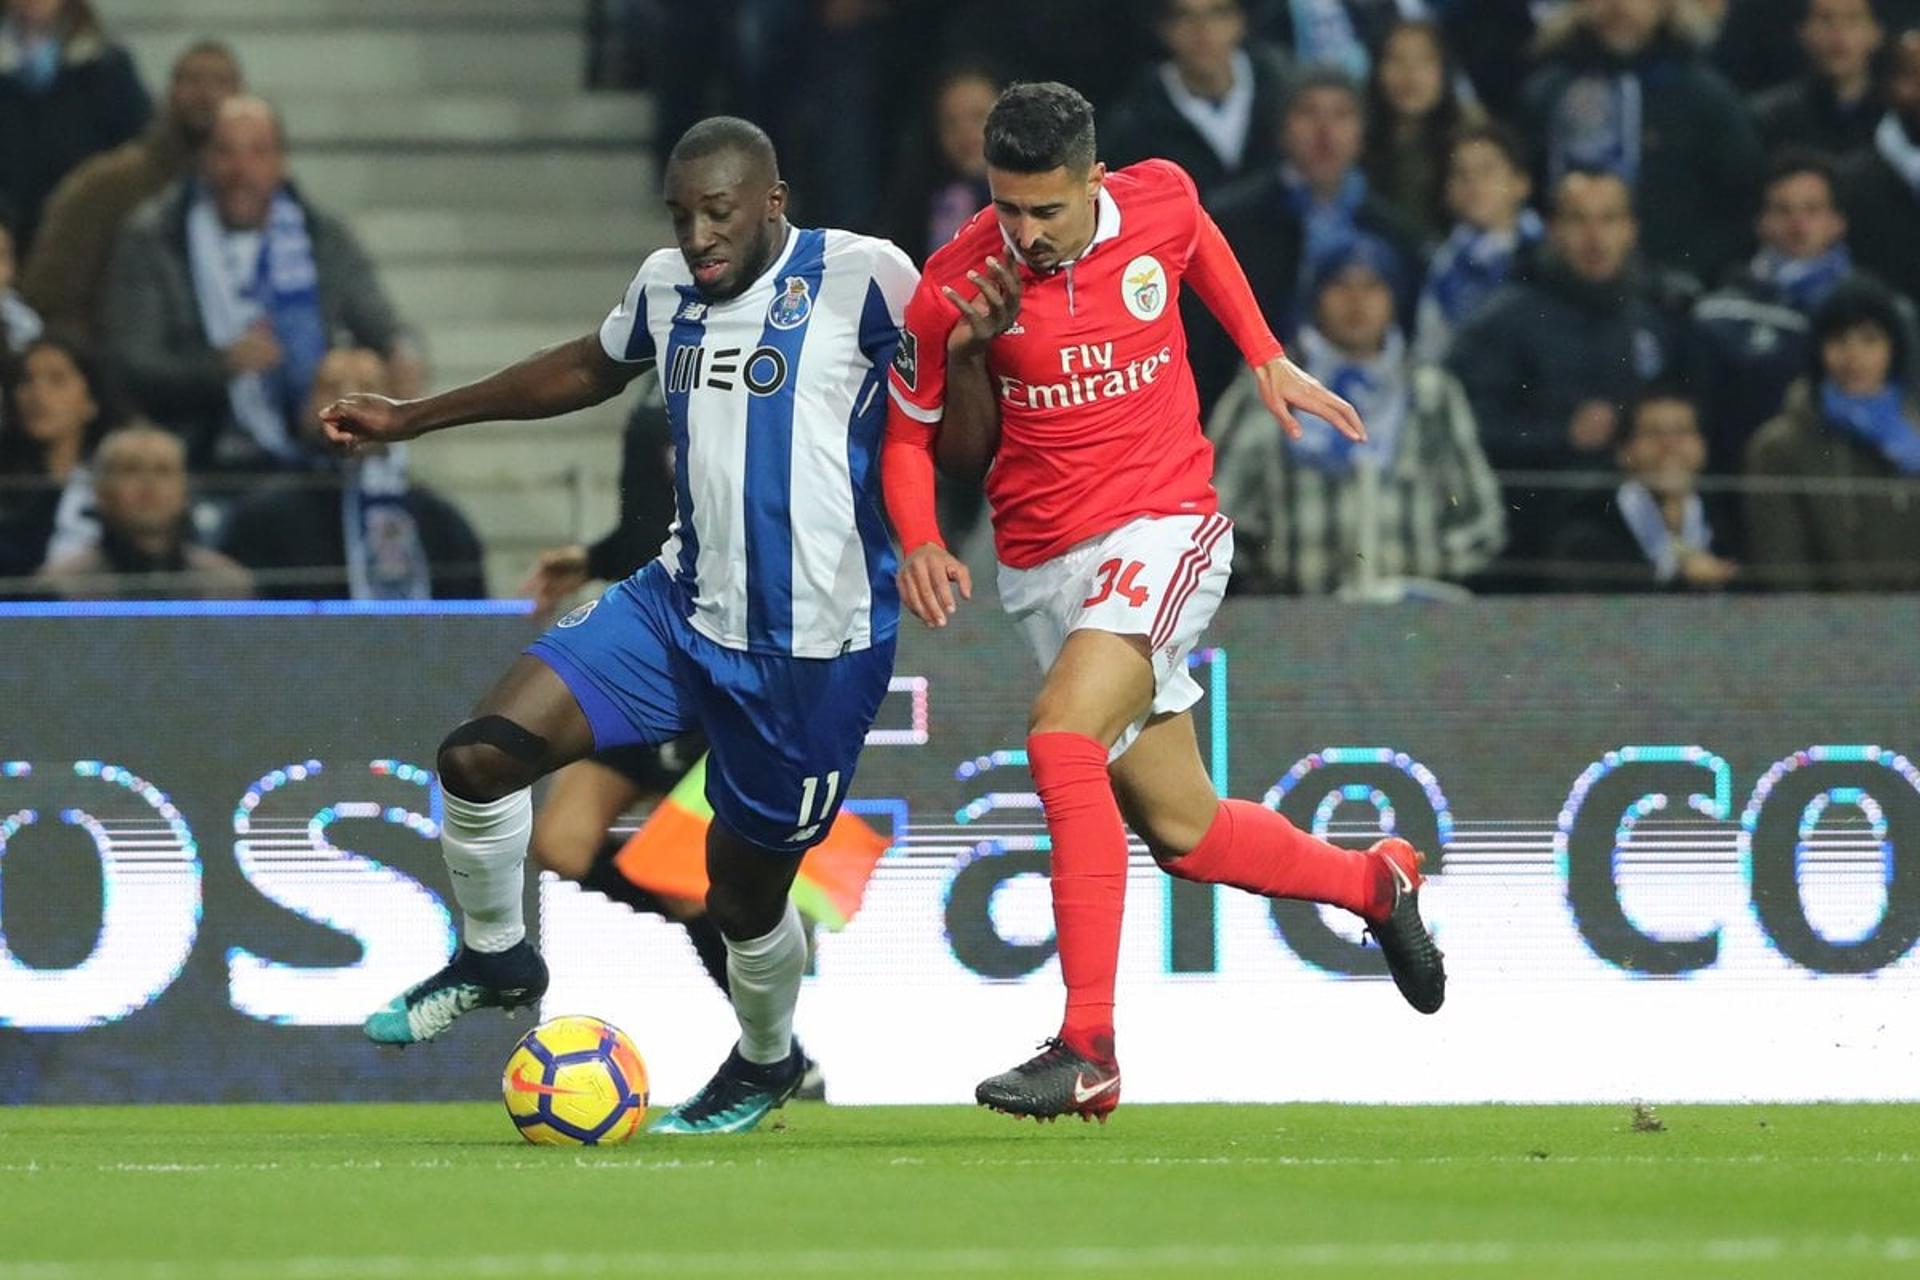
[792,305]
[1143,287]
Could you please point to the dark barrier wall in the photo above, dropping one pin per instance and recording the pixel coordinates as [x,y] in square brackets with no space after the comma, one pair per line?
[1675,842]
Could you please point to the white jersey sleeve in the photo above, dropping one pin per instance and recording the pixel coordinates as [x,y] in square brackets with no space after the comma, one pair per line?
[626,335]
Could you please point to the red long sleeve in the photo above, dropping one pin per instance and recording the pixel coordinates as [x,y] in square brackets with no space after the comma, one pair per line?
[906,481]
[1215,275]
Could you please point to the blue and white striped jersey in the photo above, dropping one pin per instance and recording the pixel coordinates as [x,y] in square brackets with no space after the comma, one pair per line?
[778,401]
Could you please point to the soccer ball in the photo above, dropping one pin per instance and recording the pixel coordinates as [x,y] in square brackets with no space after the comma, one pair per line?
[575,1081]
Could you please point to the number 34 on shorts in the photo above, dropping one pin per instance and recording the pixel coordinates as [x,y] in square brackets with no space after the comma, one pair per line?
[1160,577]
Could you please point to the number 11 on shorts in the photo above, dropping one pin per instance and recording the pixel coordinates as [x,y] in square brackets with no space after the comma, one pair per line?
[810,789]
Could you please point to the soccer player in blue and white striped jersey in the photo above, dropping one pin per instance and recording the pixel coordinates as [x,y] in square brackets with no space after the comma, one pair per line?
[768,619]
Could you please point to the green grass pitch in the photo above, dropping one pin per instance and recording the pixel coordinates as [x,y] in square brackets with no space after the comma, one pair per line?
[311,1193]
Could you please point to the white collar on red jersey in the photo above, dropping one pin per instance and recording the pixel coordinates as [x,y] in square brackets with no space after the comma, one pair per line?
[1106,226]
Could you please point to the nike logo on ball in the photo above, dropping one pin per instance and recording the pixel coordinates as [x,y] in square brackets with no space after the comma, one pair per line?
[520,1084]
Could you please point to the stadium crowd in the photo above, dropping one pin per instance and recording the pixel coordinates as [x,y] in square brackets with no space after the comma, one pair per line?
[1623,288]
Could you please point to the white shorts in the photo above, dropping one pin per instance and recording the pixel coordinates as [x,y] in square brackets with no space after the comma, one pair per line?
[1160,576]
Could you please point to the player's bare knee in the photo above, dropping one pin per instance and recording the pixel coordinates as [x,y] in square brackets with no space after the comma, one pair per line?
[742,912]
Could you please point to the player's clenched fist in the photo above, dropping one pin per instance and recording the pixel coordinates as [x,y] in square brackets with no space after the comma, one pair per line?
[928,577]
[365,419]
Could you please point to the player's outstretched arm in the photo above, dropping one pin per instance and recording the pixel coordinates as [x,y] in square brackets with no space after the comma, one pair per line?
[560,379]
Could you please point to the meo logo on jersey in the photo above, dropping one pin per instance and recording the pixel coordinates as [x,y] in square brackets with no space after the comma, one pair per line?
[1143,287]
[789,310]
[577,615]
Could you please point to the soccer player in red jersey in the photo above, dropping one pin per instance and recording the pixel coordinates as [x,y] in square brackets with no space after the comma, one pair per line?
[1048,333]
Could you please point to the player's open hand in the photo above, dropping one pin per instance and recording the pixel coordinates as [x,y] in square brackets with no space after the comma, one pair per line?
[365,419]
[1285,387]
[928,577]
[987,316]
[557,574]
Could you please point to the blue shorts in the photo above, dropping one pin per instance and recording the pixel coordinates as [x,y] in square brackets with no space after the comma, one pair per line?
[785,732]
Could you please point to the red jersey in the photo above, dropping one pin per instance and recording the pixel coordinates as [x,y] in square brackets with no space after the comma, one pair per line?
[1100,423]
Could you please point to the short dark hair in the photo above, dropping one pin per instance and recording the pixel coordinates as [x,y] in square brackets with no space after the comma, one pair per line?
[1500,137]
[1323,75]
[208,45]
[1857,302]
[1163,9]
[1792,162]
[717,134]
[1559,191]
[1037,128]
[1659,391]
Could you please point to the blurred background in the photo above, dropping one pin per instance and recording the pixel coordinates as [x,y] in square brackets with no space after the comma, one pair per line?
[1625,284]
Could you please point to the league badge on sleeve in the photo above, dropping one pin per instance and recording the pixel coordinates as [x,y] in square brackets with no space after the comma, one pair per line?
[906,360]
[791,308]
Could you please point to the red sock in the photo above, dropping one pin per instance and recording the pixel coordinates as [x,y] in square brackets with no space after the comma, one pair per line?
[1089,879]
[1251,847]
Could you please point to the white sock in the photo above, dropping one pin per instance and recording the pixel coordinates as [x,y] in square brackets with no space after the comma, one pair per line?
[765,975]
[485,846]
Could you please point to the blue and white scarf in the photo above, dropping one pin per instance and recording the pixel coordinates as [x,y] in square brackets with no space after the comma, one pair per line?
[386,559]
[1640,510]
[1879,420]
[1379,389]
[1325,225]
[1466,269]
[1898,150]
[1803,282]
[1597,125]
[283,288]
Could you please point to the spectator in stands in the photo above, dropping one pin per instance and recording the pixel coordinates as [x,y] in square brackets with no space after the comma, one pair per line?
[1653,532]
[224,292]
[1752,333]
[1414,505]
[1835,106]
[66,93]
[63,279]
[1210,106]
[1547,362]
[19,322]
[144,551]
[1883,187]
[1327,33]
[1279,220]
[1414,110]
[943,170]
[1760,46]
[1853,428]
[1620,90]
[364,532]
[1494,234]
[59,407]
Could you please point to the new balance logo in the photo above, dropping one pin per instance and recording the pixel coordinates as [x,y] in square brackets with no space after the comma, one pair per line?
[804,833]
[1083,1092]
[1014,330]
